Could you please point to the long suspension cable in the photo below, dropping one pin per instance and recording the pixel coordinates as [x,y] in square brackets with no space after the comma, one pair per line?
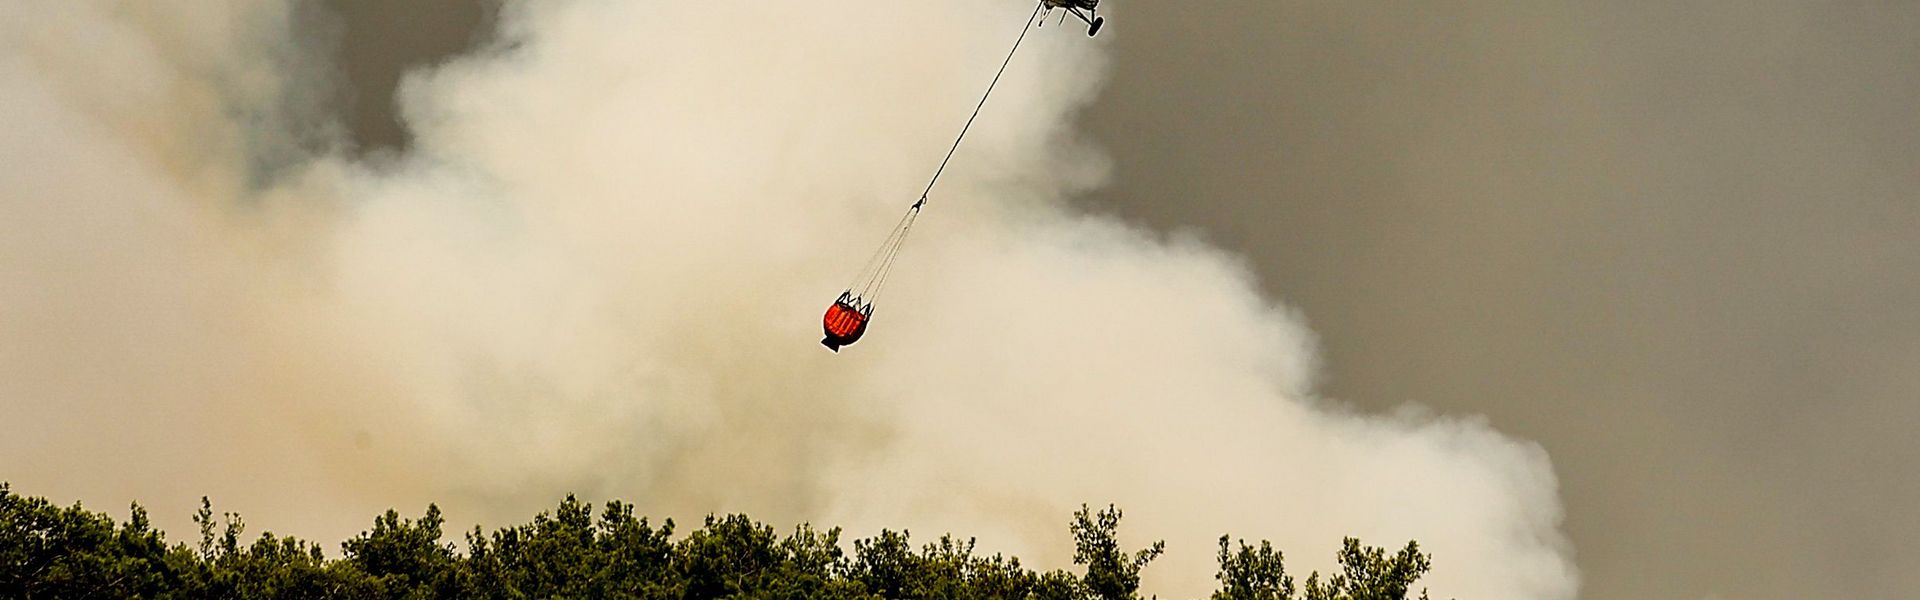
[890,249]
[983,103]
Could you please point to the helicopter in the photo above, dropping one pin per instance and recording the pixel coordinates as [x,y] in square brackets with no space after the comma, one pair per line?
[1087,10]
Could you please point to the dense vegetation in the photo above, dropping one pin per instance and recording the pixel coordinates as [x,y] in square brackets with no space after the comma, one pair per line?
[47,551]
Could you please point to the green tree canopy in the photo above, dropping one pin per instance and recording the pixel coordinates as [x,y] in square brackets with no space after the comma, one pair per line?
[49,551]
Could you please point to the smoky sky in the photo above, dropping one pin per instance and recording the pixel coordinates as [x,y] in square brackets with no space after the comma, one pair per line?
[594,260]
[1675,243]
[1671,243]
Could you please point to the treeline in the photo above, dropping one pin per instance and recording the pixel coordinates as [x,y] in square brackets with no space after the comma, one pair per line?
[49,551]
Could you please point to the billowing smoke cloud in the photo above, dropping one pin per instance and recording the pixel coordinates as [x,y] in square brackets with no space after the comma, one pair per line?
[600,269]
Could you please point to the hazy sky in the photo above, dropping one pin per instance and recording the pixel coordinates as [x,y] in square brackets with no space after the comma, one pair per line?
[599,266]
[1672,243]
[1675,243]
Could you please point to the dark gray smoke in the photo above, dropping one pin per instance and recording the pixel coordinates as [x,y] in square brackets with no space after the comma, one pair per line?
[1672,242]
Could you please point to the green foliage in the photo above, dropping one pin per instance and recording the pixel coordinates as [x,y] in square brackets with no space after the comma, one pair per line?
[729,557]
[1111,573]
[1366,573]
[889,567]
[47,551]
[404,558]
[1250,573]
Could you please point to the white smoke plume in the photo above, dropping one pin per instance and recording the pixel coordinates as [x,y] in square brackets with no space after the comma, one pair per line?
[601,267]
